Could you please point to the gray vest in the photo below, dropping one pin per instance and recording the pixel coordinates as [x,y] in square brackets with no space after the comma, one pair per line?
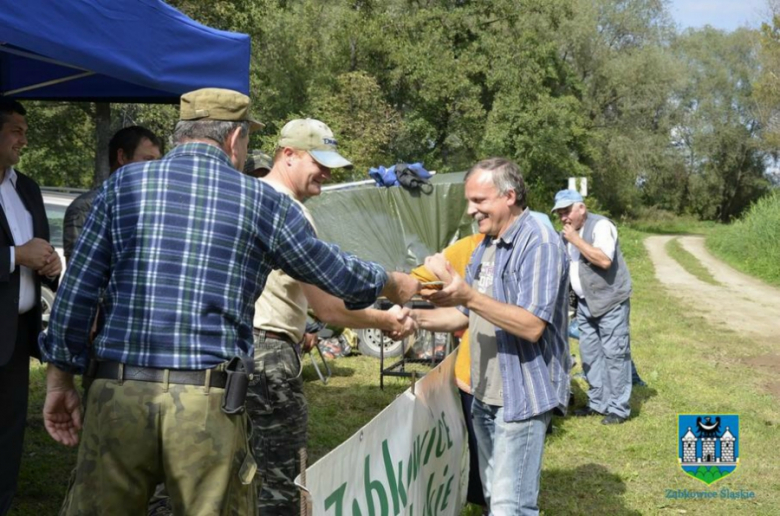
[604,289]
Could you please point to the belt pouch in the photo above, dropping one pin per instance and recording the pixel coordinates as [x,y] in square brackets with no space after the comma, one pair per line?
[235,387]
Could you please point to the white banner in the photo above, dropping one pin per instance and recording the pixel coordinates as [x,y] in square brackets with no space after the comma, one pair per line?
[410,459]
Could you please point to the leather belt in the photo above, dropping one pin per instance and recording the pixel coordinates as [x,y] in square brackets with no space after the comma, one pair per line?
[122,372]
[273,335]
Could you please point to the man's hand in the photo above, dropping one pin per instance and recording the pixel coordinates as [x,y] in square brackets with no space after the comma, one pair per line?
[570,234]
[62,408]
[62,416]
[309,341]
[592,254]
[53,265]
[400,287]
[35,254]
[405,324]
[456,293]
[438,265]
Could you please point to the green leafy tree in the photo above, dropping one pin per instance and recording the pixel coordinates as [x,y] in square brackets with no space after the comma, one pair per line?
[359,116]
[617,50]
[767,88]
[61,143]
[719,127]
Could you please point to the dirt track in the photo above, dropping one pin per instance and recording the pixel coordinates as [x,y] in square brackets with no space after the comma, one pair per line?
[740,303]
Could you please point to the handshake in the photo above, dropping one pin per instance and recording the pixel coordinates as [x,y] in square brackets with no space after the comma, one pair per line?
[400,323]
[449,290]
[397,322]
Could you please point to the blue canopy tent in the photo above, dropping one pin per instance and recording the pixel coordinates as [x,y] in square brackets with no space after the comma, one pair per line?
[114,51]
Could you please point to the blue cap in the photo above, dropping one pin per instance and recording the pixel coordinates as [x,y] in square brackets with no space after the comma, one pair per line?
[566,198]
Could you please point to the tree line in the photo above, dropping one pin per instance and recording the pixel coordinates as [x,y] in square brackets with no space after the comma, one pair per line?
[683,121]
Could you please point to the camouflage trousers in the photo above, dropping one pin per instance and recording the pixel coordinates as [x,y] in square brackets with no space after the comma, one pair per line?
[137,435]
[279,414]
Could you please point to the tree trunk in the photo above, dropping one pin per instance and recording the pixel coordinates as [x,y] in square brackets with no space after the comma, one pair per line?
[102,137]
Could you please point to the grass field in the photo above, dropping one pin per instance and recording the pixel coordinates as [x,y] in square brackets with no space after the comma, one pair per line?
[661,222]
[589,469]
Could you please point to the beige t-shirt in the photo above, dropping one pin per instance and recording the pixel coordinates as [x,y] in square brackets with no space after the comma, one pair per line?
[282,306]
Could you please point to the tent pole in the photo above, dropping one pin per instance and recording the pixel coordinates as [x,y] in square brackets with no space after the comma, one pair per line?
[49,83]
[342,186]
[102,137]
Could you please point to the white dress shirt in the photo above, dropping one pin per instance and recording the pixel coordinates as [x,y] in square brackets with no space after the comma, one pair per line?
[21,223]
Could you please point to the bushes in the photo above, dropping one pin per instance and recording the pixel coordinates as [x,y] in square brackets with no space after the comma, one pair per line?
[752,244]
[655,220]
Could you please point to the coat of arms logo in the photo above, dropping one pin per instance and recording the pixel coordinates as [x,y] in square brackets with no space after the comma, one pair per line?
[708,445]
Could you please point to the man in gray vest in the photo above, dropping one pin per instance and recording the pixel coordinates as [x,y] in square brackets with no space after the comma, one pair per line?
[601,280]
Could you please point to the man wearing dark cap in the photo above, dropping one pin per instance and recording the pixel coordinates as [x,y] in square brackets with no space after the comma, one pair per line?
[258,164]
[181,247]
[305,154]
[600,278]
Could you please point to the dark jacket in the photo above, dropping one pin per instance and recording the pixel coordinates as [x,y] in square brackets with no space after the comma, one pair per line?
[30,194]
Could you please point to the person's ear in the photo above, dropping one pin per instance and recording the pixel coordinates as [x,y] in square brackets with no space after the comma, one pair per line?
[121,158]
[511,198]
[232,148]
[289,154]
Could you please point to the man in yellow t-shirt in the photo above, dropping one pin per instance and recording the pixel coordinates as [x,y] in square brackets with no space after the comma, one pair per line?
[459,254]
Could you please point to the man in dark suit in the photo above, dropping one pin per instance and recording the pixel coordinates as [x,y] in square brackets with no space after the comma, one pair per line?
[26,259]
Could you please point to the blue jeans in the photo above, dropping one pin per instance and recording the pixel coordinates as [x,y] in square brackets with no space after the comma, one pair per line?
[605,349]
[510,459]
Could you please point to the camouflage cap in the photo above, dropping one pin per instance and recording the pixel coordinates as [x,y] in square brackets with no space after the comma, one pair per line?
[257,160]
[315,138]
[217,104]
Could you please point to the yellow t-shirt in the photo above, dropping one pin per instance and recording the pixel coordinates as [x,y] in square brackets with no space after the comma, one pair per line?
[458,254]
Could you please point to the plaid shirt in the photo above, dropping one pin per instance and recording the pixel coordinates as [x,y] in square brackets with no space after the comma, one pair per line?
[532,272]
[182,248]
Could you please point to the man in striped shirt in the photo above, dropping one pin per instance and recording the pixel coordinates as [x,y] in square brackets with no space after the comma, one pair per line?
[181,248]
[513,301]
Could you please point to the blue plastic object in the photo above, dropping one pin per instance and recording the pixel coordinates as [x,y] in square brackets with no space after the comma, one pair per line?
[386,176]
[574,330]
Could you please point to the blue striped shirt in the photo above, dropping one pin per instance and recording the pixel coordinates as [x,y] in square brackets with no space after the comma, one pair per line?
[532,272]
[182,248]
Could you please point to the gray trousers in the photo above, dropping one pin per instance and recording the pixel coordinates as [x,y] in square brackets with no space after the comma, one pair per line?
[605,349]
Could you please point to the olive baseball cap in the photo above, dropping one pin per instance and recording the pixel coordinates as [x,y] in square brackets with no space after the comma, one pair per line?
[217,104]
[314,137]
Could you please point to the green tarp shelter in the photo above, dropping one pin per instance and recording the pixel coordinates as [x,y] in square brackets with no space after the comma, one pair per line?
[393,226]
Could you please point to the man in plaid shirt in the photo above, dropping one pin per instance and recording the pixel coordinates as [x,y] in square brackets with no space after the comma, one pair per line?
[182,248]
